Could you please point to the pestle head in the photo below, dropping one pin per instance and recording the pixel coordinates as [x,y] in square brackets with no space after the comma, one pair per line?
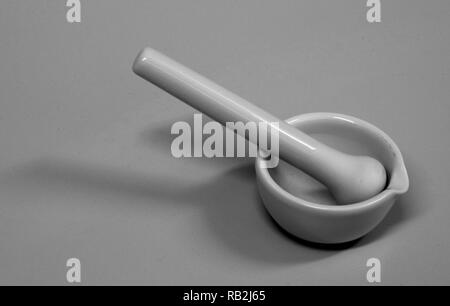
[366,178]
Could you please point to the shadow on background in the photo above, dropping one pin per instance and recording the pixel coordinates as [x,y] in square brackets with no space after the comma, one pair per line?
[233,210]
[230,203]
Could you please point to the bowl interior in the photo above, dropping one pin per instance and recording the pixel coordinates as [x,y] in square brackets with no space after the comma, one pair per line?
[349,135]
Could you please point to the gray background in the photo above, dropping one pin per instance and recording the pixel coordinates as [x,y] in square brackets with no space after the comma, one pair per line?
[85,163]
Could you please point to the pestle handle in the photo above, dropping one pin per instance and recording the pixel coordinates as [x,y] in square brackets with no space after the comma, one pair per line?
[349,178]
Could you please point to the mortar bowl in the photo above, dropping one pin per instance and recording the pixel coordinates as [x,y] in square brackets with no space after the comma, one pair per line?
[304,207]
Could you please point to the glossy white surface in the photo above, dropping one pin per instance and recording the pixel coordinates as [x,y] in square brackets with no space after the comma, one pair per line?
[350,178]
[300,204]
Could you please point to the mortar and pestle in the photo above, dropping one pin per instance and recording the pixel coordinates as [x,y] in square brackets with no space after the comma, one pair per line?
[317,193]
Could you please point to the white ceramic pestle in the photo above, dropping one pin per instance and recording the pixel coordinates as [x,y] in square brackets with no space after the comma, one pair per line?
[349,178]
